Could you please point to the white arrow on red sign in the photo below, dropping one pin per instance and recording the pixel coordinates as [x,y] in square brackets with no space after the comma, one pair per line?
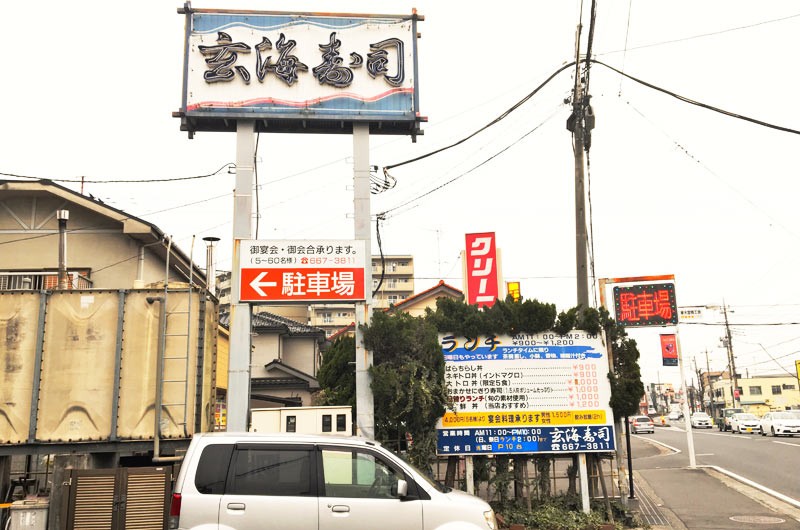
[257,284]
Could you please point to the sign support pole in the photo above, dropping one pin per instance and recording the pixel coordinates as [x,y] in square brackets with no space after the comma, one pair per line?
[365,411]
[240,338]
[685,407]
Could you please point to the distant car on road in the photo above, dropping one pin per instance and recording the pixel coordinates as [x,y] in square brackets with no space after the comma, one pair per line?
[701,420]
[745,422]
[724,420]
[784,422]
[640,424]
[674,415]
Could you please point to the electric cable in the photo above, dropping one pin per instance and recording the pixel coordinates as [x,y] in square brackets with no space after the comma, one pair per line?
[699,104]
[121,181]
[484,162]
[505,114]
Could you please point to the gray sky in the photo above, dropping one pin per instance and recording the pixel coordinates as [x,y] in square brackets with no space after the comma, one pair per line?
[675,188]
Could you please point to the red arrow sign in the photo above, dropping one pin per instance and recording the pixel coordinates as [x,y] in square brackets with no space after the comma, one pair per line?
[301,284]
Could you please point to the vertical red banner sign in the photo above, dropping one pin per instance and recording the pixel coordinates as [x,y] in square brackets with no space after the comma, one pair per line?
[669,350]
[481,265]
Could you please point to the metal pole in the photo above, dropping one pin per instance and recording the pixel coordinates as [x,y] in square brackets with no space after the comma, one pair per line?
[686,415]
[365,405]
[630,461]
[240,340]
[63,280]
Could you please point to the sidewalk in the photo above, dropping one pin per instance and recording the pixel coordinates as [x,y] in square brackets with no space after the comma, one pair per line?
[703,498]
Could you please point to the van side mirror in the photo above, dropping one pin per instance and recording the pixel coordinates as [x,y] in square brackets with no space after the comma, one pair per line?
[400,490]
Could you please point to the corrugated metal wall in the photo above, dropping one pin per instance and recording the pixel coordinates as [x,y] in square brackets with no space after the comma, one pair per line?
[81,365]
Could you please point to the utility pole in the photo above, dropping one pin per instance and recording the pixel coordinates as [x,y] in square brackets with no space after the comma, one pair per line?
[581,238]
[710,387]
[731,360]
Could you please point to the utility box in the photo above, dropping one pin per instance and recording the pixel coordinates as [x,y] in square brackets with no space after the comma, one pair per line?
[303,420]
[29,514]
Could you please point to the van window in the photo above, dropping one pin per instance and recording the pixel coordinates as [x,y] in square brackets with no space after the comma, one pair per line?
[271,471]
[357,474]
[212,469]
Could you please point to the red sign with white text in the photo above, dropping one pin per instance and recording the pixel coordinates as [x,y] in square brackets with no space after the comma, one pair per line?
[481,265]
[301,271]
[286,285]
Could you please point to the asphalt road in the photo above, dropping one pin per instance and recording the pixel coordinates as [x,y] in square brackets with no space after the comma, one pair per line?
[773,463]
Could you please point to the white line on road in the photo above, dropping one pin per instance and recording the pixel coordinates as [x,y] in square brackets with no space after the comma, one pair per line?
[785,443]
[758,486]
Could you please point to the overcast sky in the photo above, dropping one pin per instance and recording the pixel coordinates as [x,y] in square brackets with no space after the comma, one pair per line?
[89,89]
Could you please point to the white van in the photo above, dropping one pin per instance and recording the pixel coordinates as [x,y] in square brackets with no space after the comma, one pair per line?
[247,481]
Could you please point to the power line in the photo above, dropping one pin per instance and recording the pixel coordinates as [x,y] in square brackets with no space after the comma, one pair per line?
[473,168]
[699,104]
[702,35]
[493,122]
[83,180]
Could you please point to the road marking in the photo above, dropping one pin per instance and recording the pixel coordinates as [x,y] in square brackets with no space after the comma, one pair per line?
[756,485]
[785,443]
[705,454]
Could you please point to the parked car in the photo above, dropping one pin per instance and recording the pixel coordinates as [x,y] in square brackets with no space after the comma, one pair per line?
[784,422]
[297,482]
[700,420]
[724,419]
[640,424]
[743,422]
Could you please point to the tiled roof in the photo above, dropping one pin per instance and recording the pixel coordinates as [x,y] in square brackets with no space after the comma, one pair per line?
[265,321]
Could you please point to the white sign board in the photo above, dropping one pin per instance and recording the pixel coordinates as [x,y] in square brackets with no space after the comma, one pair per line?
[527,393]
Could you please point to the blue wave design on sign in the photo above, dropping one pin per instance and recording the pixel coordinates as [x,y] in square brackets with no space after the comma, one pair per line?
[511,353]
[210,23]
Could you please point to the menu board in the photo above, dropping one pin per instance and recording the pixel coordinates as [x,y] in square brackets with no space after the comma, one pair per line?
[526,393]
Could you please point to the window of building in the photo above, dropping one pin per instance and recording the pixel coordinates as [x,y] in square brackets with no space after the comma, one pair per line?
[341,422]
[391,283]
[327,424]
[393,298]
[291,423]
[402,263]
[755,390]
[327,317]
[776,389]
[788,387]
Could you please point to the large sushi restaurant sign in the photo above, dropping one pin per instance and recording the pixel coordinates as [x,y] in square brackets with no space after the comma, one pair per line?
[527,393]
[300,72]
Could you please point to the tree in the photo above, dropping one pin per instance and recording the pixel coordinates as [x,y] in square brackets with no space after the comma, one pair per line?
[407,382]
[337,375]
[627,388]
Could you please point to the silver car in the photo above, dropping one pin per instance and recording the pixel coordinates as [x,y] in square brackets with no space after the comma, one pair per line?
[784,422]
[701,420]
[250,481]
